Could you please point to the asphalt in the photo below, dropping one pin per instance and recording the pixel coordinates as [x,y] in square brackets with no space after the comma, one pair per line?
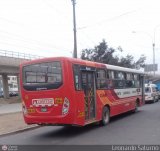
[140,128]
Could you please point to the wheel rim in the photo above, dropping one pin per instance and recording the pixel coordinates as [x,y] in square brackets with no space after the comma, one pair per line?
[136,106]
[154,100]
[106,116]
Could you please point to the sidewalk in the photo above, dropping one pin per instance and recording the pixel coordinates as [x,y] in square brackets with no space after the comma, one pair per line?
[11,117]
[11,105]
[10,108]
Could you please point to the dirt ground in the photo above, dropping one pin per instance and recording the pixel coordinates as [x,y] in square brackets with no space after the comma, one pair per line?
[12,122]
[11,100]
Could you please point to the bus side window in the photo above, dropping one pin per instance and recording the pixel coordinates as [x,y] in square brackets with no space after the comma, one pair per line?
[77,82]
[119,79]
[129,81]
[101,79]
[137,80]
[110,77]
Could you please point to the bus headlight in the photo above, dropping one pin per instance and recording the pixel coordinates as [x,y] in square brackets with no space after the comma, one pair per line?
[65,108]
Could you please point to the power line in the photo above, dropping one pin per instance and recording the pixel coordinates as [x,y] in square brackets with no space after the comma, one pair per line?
[35,42]
[107,20]
[2,42]
[11,21]
[88,37]
[23,25]
[31,48]
[53,8]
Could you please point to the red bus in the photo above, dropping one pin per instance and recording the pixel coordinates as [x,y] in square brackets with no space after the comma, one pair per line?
[68,91]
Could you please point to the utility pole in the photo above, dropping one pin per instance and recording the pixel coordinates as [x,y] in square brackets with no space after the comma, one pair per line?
[154,65]
[74,30]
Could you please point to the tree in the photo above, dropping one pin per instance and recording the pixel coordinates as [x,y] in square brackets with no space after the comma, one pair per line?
[100,53]
[104,54]
[140,63]
[127,61]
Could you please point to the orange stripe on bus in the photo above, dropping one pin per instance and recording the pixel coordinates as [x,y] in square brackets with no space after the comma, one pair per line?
[104,99]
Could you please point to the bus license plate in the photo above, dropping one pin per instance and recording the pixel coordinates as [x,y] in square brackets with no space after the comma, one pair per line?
[43,102]
[43,109]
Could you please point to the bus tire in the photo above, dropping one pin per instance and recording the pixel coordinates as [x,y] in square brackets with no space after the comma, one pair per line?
[154,100]
[105,116]
[136,107]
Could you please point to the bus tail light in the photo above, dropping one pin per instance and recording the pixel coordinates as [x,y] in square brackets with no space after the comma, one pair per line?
[24,108]
[65,108]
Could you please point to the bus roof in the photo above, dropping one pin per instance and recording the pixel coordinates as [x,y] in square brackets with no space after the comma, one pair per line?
[87,63]
[117,68]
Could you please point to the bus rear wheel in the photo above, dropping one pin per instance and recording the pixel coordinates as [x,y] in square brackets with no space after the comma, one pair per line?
[105,116]
[136,107]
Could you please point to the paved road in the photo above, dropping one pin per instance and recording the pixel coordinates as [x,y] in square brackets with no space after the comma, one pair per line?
[142,127]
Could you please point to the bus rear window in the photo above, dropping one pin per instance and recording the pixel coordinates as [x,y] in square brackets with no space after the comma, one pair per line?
[42,76]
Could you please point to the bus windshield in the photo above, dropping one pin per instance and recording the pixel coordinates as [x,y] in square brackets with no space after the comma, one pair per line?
[147,90]
[42,76]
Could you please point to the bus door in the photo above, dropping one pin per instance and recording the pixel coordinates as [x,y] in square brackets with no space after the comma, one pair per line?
[89,88]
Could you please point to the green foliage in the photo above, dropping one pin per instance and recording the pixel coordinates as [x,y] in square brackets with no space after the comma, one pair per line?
[104,54]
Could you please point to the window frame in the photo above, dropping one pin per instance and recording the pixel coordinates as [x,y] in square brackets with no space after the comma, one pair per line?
[36,86]
[105,78]
[79,77]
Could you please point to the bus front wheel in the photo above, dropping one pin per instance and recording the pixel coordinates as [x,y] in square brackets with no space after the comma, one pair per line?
[154,100]
[105,116]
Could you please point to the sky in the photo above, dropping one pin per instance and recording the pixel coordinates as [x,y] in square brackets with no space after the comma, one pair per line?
[45,27]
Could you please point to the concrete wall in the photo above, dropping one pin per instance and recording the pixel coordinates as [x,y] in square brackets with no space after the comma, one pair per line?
[9,61]
[9,66]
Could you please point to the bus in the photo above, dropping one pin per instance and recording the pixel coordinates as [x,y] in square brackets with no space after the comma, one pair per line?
[69,91]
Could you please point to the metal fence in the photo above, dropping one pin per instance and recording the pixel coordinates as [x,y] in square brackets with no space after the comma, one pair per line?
[19,55]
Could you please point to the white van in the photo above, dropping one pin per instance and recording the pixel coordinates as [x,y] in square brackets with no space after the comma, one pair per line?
[151,93]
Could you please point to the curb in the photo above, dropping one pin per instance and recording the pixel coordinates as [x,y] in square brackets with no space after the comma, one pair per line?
[19,131]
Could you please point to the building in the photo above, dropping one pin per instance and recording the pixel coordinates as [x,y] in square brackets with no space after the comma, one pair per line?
[12,85]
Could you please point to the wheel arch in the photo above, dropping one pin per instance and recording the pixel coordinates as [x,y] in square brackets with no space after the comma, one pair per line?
[105,115]
[108,106]
[138,101]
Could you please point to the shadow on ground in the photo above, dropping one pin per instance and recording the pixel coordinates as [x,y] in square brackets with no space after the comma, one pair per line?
[72,131]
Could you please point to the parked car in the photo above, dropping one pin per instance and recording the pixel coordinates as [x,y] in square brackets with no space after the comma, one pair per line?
[151,93]
[13,93]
